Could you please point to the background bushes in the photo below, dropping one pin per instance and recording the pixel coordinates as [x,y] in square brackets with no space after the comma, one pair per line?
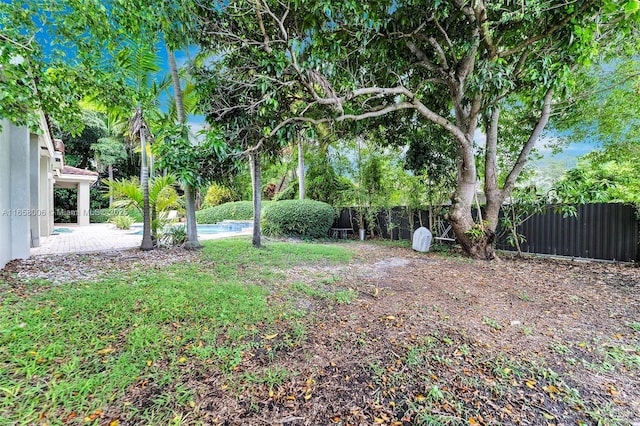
[298,218]
[238,210]
[217,195]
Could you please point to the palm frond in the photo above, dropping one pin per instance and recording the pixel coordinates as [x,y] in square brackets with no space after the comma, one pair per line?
[158,184]
[125,192]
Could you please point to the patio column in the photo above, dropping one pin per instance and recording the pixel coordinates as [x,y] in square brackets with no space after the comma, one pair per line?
[35,212]
[18,239]
[84,213]
[45,188]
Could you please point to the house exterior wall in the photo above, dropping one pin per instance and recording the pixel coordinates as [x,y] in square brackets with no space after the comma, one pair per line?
[15,194]
[34,192]
[5,199]
[26,191]
[45,195]
[84,213]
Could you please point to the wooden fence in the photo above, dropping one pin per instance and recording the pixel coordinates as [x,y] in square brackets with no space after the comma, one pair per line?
[599,231]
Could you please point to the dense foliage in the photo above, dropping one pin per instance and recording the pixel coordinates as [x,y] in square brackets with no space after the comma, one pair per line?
[298,218]
[217,194]
[455,64]
[603,177]
[237,210]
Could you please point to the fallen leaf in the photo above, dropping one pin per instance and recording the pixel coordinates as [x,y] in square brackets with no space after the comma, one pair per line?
[270,336]
[530,383]
[612,390]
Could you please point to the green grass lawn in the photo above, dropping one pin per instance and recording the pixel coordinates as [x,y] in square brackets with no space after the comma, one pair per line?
[69,351]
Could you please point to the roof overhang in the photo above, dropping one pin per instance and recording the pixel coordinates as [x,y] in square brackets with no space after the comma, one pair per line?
[71,181]
[46,139]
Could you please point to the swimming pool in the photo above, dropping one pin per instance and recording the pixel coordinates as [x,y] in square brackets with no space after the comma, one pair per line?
[218,228]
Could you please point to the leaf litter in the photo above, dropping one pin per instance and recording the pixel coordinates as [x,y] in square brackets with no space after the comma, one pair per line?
[416,345]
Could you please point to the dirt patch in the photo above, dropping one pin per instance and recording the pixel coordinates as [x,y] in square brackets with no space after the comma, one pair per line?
[433,339]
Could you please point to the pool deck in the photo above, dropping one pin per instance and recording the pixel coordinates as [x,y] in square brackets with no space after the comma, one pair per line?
[100,237]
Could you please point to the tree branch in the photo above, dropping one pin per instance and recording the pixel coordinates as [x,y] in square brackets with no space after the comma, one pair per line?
[491,152]
[267,48]
[424,61]
[526,149]
[480,13]
[434,43]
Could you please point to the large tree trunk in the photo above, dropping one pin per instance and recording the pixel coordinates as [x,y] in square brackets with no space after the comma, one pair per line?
[301,187]
[147,242]
[256,184]
[189,190]
[476,239]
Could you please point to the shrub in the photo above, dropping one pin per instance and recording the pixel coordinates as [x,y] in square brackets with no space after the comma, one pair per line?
[238,210]
[174,235]
[135,214]
[289,192]
[216,195]
[298,218]
[122,221]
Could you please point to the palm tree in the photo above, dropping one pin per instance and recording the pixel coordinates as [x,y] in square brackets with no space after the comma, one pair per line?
[109,149]
[189,189]
[138,131]
[137,62]
[129,193]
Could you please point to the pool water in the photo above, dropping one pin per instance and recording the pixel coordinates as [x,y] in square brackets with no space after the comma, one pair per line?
[62,230]
[208,229]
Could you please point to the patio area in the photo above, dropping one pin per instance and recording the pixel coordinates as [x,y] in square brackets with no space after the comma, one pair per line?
[98,237]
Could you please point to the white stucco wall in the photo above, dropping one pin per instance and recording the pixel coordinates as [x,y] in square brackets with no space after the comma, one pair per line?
[5,200]
[34,186]
[15,193]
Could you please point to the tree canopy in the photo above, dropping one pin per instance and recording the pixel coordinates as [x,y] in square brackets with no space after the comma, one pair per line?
[453,63]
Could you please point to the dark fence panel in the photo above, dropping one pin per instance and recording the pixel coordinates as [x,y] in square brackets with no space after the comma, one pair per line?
[600,231]
[402,228]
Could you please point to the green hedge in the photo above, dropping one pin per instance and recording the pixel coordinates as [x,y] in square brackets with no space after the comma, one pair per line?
[237,210]
[298,218]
